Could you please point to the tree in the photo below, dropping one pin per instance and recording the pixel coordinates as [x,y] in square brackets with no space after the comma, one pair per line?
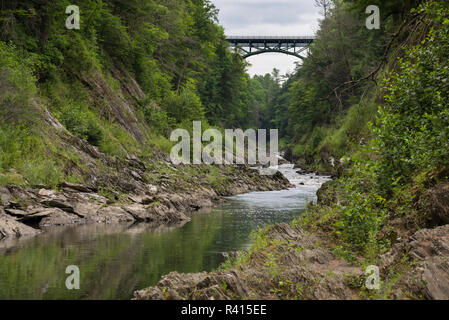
[325,6]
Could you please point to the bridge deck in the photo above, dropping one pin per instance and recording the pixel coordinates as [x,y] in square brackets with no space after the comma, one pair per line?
[252,45]
[270,39]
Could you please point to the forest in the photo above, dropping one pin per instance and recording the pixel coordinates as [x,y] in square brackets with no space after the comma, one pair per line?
[175,50]
[367,107]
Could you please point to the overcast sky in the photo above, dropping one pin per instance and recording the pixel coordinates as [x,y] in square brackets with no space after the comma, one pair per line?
[268,18]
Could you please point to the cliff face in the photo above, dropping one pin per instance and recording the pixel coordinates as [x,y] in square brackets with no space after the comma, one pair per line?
[129,180]
[77,103]
[119,189]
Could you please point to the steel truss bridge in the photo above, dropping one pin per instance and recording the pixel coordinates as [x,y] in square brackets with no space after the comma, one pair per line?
[250,46]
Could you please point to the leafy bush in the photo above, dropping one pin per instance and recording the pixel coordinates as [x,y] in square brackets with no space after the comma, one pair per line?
[113,36]
[412,129]
[45,172]
[361,217]
[16,144]
[346,139]
[157,119]
[81,122]
[17,85]
[184,106]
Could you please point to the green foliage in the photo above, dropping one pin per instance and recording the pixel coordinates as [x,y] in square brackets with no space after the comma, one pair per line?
[350,130]
[16,86]
[25,151]
[14,142]
[409,141]
[316,121]
[45,172]
[184,106]
[225,90]
[81,122]
[215,178]
[174,49]
[361,217]
[412,129]
[161,143]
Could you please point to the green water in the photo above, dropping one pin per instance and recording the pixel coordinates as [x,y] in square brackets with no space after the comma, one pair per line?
[115,260]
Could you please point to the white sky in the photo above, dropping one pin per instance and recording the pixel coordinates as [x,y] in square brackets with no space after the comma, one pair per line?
[268,18]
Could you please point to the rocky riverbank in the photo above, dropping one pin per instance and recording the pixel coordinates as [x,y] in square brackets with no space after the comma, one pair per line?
[29,211]
[299,265]
[301,261]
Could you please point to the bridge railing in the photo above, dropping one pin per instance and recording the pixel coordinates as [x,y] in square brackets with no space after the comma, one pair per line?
[271,38]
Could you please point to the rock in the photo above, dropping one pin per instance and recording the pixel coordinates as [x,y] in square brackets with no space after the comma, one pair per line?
[151,214]
[46,193]
[79,204]
[428,276]
[59,202]
[301,264]
[56,217]
[132,158]
[139,213]
[9,227]
[325,194]
[233,255]
[134,174]
[152,190]
[436,203]
[37,213]
[141,199]
[76,187]
[206,287]
[268,171]
[16,212]
[111,214]
[5,196]
[86,209]
[435,276]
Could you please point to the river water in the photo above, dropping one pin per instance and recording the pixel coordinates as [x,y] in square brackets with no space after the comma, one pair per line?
[116,260]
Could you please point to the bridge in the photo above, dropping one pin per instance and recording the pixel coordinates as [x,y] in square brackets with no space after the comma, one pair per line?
[250,46]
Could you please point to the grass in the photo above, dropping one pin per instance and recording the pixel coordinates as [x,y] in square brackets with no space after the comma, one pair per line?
[26,158]
[215,178]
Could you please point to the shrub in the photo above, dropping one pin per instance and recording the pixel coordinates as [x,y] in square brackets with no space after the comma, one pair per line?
[412,129]
[184,105]
[45,172]
[81,122]
[17,86]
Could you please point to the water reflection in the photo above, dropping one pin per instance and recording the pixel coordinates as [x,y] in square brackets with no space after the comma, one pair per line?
[115,260]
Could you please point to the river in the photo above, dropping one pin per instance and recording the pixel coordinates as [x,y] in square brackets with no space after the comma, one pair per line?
[116,260]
